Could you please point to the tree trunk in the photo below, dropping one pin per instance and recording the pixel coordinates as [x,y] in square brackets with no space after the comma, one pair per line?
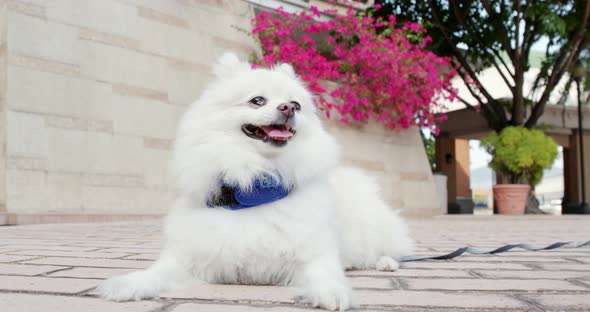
[518,100]
[532,205]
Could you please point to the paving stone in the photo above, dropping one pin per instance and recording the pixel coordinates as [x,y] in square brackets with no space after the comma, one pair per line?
[234,292]
[552,253]
[515,259]
[45,284]
[192,307]
[22,247]
[369,282]
[468,283]
[101,273]
[487,284]
[413,273]
[4,258]
[565,267]
[436,299]
[99,263]
[132,250]
[581,259]
[23,269]
[461,265]
[38,241]
[11,302]
[72,254]
[535,274]
[104,244]
[144,256]
[150,245]
[562,302]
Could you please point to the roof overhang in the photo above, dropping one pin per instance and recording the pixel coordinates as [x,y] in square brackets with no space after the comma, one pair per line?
[558,121]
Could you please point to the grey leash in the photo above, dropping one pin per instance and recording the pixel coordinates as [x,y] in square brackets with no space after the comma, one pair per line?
[504,248]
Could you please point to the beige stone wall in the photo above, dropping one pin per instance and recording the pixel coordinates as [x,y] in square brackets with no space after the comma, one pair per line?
[94,92]
[3,105]
[91,91]
[398,160]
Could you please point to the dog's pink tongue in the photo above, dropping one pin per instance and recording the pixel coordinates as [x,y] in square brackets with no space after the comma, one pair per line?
[277,134]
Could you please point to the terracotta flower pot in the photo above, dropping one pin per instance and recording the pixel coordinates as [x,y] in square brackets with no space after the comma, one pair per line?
[511,198]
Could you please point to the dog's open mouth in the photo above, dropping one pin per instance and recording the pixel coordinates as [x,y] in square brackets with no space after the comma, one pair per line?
[276,134]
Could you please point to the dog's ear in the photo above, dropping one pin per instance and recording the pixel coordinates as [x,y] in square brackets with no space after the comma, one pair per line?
[228,65]
[286,69]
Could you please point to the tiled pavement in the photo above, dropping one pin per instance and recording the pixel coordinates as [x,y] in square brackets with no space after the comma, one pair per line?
[56,267]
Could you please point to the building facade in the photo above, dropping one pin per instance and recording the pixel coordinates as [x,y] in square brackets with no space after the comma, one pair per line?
[91,92]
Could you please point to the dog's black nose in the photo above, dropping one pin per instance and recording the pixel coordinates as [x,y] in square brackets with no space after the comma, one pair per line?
[288,109]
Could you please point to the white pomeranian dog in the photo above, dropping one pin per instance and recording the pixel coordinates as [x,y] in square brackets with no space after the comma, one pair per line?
[261,199]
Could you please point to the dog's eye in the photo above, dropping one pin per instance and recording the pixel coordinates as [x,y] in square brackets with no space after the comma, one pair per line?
[297,105]
[258,100]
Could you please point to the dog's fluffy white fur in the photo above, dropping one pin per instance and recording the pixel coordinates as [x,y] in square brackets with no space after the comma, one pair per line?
[334,218]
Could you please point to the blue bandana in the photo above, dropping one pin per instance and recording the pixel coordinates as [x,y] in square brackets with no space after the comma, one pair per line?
[265,189]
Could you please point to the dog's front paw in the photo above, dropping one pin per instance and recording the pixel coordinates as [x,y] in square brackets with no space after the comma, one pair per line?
[330,298]
[386,264]
[133,286]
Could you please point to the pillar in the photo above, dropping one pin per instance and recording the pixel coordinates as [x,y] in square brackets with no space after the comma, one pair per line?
[452,159]
[572,173]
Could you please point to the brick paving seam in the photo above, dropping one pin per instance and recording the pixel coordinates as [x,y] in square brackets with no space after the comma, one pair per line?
[55,271]
[534,304]
[71,277]
[575,260]
[51,293]
[579,283]
[475,274]
[129,255]
[24,260]
[396,283]
[402,283]
[535,267]
[166,307]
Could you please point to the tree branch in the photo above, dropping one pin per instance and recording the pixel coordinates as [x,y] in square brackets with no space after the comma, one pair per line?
[530,35]
[519,63]
[558,69]
[469,87]
[526,41]
[465,65]
[469,26]
[503,63]
[528,44]
[517,51]
[503,36]
[492,117]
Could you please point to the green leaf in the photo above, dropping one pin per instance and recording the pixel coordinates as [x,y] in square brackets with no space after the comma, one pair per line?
[521,153]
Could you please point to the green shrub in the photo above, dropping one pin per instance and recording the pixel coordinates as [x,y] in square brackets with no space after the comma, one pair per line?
[520,154]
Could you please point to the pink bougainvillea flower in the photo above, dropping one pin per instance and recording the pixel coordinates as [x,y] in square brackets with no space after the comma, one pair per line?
[382,76]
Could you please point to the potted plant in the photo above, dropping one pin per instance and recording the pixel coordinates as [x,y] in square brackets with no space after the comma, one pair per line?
[519,155]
